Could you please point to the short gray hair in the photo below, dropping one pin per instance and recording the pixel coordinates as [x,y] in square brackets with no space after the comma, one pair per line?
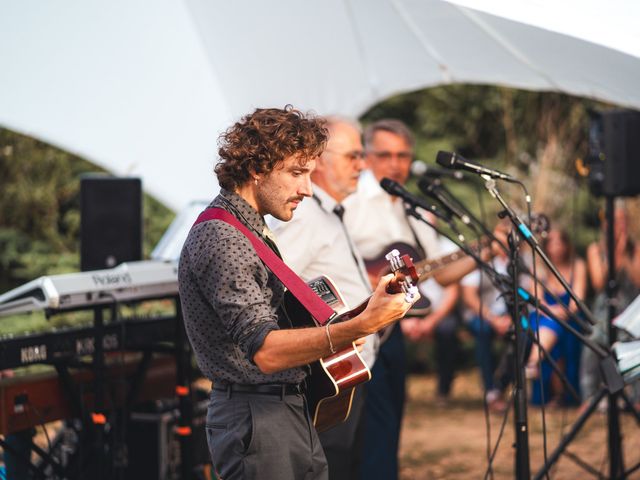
[390,125]
[333,120]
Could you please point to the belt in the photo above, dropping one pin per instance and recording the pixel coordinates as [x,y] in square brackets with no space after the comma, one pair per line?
[264,389]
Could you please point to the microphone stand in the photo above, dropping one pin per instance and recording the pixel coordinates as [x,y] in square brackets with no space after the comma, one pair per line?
[503,283]
[495,277]
[454,207]
[435,189]
[614,381]
[438,190]
[616,463]
[528,237]
[612,378]
[608,364]
[522,467]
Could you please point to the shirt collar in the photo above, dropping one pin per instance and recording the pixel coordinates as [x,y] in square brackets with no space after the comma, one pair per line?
[326,201]
[369,186]
[240,208]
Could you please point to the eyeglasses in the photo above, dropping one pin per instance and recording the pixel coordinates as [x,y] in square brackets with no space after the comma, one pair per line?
[386,156]
[354,155]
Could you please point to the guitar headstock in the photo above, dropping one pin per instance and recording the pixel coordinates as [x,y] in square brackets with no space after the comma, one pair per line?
[405,275]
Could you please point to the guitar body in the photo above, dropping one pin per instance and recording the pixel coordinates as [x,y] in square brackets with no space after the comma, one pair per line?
[330,387]
[379,266]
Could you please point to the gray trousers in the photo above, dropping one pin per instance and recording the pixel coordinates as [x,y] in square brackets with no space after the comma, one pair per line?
[253,436]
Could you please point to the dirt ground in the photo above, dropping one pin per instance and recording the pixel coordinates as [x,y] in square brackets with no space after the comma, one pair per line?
[450,441]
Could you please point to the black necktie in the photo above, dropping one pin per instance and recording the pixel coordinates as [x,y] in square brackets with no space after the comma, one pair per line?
[421,250]
[339,212]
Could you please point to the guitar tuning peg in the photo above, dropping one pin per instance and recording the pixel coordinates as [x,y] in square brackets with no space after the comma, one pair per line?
[392,254]
[410,294]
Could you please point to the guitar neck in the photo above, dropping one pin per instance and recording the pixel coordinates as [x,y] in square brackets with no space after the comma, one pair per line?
[393,287]
[426,268]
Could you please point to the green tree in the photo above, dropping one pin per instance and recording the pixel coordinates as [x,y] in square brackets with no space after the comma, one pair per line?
[40,210]
[537,136]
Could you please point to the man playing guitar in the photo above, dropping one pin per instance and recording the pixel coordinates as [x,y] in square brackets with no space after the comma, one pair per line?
[257,424]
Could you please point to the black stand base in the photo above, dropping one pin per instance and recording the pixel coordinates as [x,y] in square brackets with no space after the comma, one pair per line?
[566,440]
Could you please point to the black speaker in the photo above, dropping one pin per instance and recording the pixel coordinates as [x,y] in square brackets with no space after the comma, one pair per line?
[614,153]
[110,221]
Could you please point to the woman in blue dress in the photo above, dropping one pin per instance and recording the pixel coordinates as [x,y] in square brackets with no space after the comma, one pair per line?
[563,347]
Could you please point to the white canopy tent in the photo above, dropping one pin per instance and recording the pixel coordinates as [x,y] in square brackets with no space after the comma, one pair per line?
[613,24]
[144,89]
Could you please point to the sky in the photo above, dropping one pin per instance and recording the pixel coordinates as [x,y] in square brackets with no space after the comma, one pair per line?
[612,23]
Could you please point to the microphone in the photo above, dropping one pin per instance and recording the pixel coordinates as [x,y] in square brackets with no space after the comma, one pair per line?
[456,162]
[432,188]
[394,188]
[422,169]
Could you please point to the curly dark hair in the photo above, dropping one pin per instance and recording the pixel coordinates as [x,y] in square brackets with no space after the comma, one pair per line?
[265,137]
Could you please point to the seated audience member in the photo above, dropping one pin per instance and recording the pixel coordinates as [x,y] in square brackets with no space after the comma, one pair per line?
[563,347]
[488,318]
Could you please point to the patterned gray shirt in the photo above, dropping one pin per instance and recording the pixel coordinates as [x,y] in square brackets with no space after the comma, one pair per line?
[230,300]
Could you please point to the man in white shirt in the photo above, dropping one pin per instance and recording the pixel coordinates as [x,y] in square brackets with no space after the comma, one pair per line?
[376,220]
[315,242]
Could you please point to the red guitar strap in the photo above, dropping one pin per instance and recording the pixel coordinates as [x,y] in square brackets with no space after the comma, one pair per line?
[305,295]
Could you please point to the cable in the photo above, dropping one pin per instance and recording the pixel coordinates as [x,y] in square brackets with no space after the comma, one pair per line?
[495,280]
[487,422]
[527,198]
[505,416]
[605,453]
[41,423]
[485,402]
[545,451]
[490,455]
[487,419]
[500,281]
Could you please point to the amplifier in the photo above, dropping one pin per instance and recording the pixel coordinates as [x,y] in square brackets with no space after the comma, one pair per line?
[154,448]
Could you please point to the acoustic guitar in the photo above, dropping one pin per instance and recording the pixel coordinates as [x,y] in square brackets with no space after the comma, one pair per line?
[331,384]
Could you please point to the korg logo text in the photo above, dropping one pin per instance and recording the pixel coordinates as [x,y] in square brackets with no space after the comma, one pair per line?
[37,353]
